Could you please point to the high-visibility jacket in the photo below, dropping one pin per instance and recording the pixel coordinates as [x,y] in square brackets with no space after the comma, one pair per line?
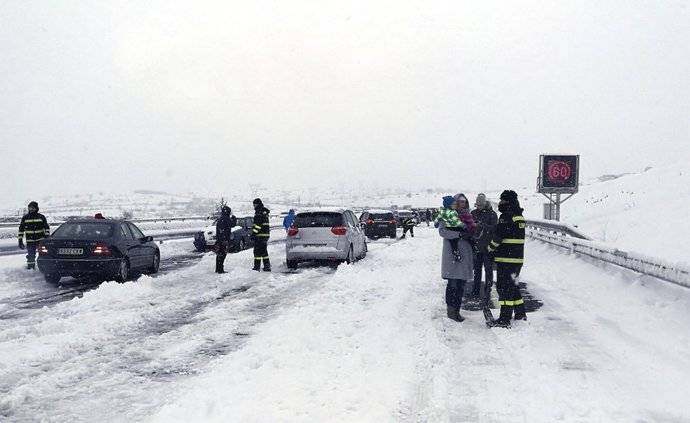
[408,222]
[262,227]
[34,227]
[508,242]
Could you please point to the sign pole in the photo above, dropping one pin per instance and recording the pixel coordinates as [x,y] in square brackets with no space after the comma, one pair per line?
[558,174]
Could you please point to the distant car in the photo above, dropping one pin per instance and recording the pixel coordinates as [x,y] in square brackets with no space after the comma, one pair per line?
[104,248]
[402,214]
[241,236]
[331,235]
[379,223]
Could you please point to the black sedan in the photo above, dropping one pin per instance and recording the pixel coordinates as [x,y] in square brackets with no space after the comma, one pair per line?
[97,247]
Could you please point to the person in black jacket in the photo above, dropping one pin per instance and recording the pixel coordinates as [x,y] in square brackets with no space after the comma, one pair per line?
[261,232]
[408,224]
[34,227]
[224,227]
[486,220]
[507,248]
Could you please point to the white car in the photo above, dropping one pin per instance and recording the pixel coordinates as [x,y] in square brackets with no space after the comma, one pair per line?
[331,235]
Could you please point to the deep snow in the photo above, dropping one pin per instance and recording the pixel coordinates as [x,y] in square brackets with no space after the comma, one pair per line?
[369,342]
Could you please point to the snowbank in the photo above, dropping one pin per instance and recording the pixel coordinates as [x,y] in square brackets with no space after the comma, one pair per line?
[641,212]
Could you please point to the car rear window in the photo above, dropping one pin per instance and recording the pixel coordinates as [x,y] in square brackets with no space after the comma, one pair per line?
[381,216]
[84,231]
[318,220]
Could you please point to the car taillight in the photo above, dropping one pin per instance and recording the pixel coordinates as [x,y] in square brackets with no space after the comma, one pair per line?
[42,250]
[393,222]
[370,222]
[339,230]
[101,249]
[292,231]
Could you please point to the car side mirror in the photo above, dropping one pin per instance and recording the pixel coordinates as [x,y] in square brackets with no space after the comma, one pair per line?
[147,239]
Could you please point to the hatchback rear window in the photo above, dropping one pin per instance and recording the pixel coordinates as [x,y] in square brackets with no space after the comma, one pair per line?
[88,230]
[318,220]
[381,216]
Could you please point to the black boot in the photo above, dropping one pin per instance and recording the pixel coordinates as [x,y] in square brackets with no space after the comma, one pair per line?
[31,266]
[503,320]
[267,265]
[257,265]
[219,265]
[454,314]
[520,313]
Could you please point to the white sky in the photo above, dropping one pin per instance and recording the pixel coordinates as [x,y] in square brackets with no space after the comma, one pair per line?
[178,96]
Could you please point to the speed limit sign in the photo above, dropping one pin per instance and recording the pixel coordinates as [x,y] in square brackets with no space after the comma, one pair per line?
[559,173]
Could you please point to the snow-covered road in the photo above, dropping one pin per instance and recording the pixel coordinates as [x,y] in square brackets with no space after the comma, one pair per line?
[369,342]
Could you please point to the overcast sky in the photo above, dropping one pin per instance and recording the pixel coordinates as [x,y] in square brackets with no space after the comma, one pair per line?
[193,95]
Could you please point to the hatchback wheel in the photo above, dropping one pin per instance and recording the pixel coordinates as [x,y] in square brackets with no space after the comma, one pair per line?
[292,264]
[123,271]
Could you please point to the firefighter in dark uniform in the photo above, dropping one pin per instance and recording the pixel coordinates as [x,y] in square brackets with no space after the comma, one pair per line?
[261,232]
[408,225]
[34,227]
[224,227]
[507,248]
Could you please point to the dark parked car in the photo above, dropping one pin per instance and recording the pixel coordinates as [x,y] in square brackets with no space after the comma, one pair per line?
[379,223]
[241,236]
[103,248]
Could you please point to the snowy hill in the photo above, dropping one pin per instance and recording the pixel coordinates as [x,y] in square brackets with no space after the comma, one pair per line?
[642,212]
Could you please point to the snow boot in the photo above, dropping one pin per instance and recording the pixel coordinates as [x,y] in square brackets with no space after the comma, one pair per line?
[454,314]
[503,320]
[257,265]
[267,265]
[31,266]
[520,313]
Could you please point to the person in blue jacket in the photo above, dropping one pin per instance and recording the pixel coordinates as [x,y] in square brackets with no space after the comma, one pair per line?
[287,220]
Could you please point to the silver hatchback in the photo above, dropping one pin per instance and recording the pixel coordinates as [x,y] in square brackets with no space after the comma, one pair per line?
[332,235]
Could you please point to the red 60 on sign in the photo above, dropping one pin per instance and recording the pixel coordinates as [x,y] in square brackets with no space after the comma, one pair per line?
[559,171]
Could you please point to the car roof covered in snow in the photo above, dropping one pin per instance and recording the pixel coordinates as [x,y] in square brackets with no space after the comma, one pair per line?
[321,209]
[379,211]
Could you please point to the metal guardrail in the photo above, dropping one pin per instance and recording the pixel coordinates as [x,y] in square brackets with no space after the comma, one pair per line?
[556,228]
[151,220]
[557,234]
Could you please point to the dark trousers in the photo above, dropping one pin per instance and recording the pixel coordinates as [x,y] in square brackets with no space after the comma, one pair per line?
[506,285]
[482,261]
[31,253]
[454,292]
[221,252]
[261,253]
[408,228]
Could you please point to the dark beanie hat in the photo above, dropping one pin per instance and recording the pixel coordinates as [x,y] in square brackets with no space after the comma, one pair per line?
[257,201]
[33,204]
[509,196]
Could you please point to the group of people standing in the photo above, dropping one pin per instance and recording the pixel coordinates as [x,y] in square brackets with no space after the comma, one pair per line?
[476,239]
[261,232]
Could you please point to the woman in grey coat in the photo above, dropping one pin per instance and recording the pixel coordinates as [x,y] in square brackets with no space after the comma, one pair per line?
[457,270]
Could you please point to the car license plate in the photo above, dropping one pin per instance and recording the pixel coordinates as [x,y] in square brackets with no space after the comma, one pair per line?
[70,251]
[383,225]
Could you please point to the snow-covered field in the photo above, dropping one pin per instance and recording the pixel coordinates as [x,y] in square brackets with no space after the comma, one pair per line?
[642,212]
[368,342]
